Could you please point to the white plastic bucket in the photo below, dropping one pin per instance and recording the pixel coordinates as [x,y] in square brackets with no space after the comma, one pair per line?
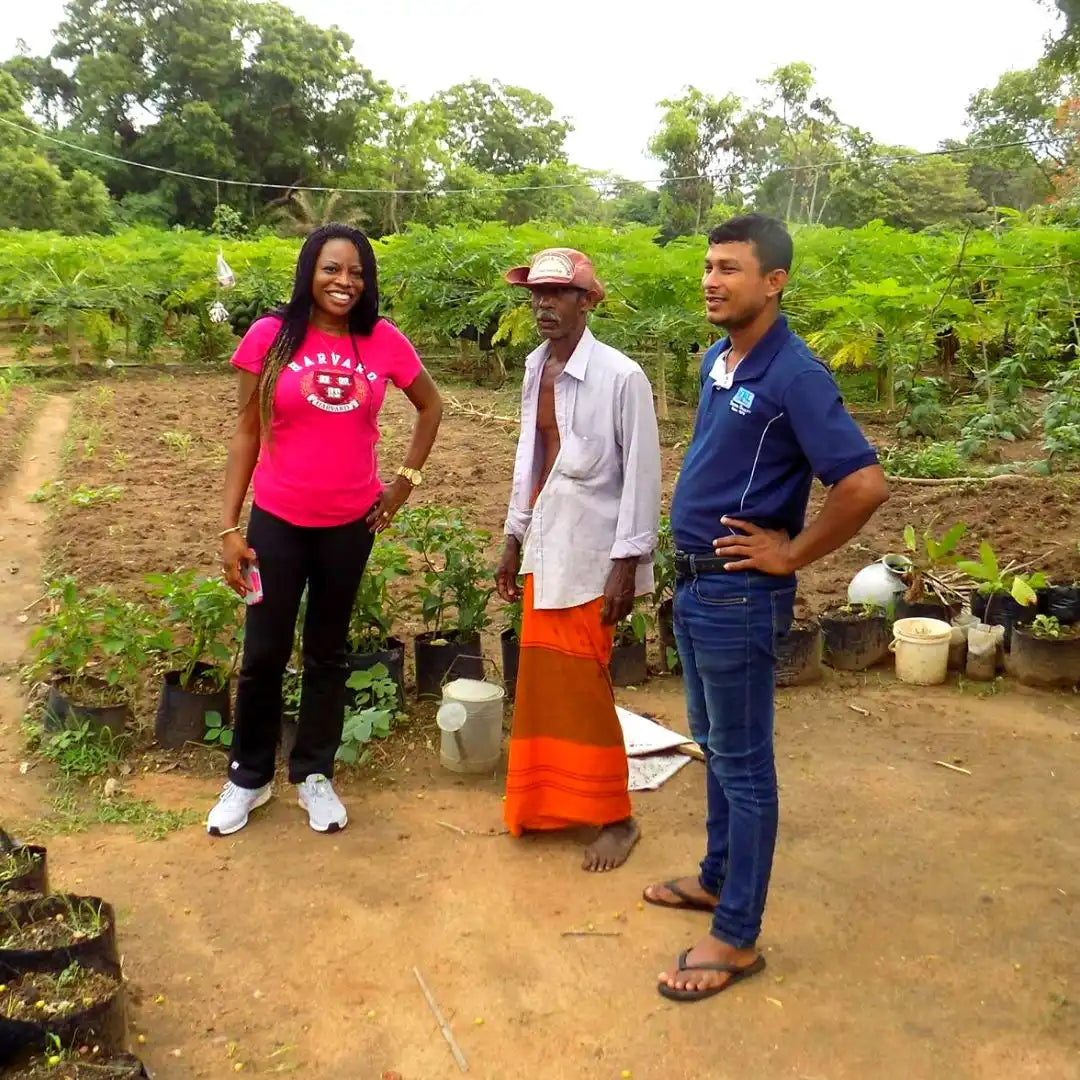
[922,650]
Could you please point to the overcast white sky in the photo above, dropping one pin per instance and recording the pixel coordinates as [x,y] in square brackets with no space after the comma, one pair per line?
[903,71]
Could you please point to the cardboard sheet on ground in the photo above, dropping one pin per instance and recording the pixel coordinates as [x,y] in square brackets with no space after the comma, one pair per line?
[650,750]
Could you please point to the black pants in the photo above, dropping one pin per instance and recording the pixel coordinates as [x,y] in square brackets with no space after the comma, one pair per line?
[330,563]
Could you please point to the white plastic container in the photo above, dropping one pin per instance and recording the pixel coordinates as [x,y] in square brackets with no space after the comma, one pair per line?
[880,583]
[471,721]
[922,650]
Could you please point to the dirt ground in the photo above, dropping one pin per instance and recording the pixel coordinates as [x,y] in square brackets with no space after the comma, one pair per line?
[16,415]
[166,511]
[921,921]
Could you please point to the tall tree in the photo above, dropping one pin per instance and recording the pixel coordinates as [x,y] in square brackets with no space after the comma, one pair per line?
[700,142]
[205,86]
[901,188]
[797,138]
[501,129]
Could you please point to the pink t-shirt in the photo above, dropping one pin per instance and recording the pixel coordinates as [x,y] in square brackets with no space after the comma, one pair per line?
[319,467]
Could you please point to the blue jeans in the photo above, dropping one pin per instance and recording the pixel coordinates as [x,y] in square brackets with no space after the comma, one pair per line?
[726,626]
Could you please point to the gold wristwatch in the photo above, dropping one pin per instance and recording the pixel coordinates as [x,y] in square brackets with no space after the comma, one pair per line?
[414,476]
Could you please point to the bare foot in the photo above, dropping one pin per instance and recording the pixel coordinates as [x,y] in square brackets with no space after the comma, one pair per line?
[689,895]
[710,950]
[612,847]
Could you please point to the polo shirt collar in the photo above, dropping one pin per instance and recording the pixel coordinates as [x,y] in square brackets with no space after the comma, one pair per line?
[578,363]
[761,355]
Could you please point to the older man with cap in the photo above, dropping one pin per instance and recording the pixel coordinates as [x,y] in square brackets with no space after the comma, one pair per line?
[582,528]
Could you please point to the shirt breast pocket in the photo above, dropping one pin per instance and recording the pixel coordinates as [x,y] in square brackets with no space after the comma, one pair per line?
[580,456]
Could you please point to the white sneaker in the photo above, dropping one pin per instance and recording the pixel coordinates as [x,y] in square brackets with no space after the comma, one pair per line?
[231,812]
[318,798]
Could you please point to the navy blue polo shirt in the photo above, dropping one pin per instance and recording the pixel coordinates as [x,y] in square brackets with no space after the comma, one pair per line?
[758,445]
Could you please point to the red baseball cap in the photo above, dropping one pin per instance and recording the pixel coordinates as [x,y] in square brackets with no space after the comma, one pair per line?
[558,266]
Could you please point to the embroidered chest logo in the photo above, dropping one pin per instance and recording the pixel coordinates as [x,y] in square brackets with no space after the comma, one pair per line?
[330,383]
[743,401]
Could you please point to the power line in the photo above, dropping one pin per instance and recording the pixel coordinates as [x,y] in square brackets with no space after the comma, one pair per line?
[889,159]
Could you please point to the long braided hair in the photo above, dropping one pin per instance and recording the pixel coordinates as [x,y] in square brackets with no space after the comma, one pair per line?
[296,314]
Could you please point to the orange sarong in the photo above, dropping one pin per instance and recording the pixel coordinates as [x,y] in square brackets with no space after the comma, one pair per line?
[567,758]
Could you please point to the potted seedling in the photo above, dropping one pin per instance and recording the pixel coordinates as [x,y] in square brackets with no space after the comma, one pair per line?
[799,654]
[629,661]
[60,1062]
[23,867]
[79,1004]
[376,611]
[203,615]
[376,700]
[452,601]
[664,596]
[856,636]
[94,649]
[510,644]
[50,932]
[1004,597]
[1046,653]
[928,595]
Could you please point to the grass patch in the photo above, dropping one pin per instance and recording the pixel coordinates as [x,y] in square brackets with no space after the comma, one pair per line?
[79,751]
[75,812]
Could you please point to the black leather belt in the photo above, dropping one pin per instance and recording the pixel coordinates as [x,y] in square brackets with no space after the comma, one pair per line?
[696,565]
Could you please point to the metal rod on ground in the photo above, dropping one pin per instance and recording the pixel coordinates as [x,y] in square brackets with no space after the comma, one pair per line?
[448,1035]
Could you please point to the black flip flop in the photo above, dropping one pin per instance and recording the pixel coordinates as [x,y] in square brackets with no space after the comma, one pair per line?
[737,975]
[686,901]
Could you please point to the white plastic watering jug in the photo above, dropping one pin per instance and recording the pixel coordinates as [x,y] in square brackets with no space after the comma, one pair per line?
[880,583]
[471,721]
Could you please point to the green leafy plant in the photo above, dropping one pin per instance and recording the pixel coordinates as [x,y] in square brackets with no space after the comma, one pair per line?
[87,496]
[180,441]
[372,715]
[205,617]
[635,628]
[95,635]
[928,557]
[1046,627]
[512,615]
[217,731]
[664,563]
[993,580]
[934,460]
[378,606]
[84,750]
[450,592]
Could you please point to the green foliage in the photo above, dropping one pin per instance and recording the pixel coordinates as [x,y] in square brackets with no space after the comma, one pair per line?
[95,633]
[928,557]
[925,460]
[993,580]
[664,563]
[513,614]
[203,341]
[453,592]
[635,628]
[83,750]
[217,732]
[1046,627]
[227,221]
[372,715]
[205,617]
[378,605]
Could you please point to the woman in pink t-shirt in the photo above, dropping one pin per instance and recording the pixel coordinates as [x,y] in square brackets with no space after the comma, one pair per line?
[313,377]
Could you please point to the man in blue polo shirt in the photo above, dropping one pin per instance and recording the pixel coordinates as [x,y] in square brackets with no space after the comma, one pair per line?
[771,419]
